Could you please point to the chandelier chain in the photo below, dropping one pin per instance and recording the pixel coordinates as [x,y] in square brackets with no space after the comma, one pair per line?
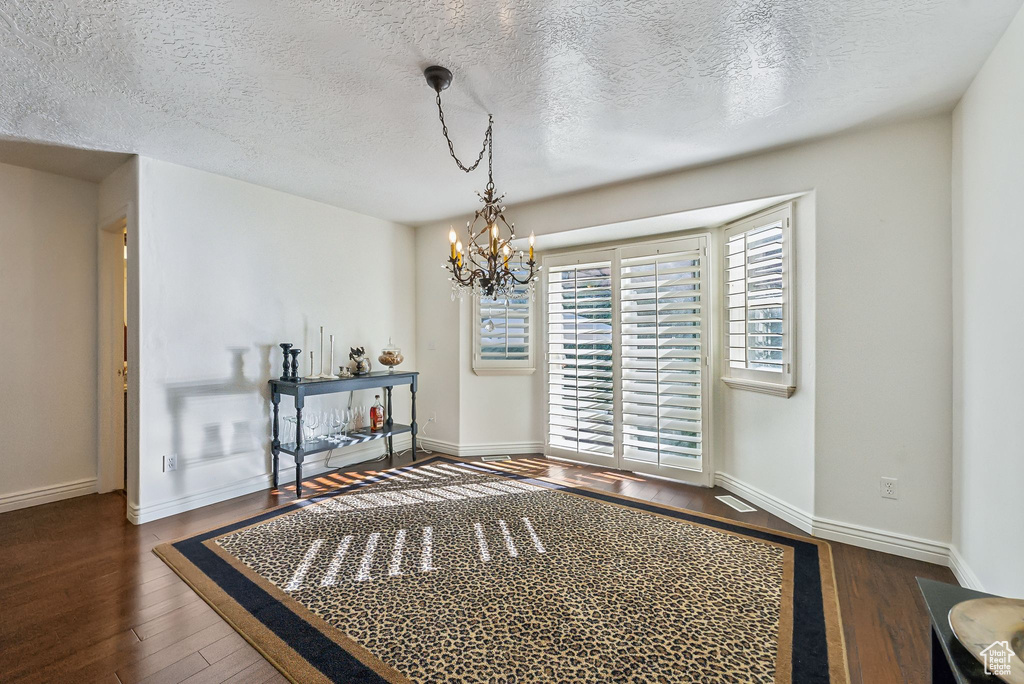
[487,146]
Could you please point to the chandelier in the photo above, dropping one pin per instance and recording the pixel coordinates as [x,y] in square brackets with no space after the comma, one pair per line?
[486,265]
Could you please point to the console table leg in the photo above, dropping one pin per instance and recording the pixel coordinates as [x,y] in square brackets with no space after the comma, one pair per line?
[413,426]
[275,444]
[389,422]
[299,405]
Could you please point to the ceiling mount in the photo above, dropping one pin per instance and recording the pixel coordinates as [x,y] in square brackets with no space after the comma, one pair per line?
[438,77]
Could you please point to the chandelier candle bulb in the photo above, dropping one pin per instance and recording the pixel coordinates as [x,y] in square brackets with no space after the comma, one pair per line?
[532,239]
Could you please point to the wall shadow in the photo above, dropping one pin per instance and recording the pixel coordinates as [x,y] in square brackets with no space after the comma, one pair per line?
[222,438]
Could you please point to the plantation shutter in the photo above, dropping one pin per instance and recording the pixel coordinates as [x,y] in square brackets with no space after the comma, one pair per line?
[581,408]
[502,338]
[662,354]
[759,343]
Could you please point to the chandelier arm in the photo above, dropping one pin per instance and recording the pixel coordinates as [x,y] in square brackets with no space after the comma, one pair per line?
[465,277]
[528,278]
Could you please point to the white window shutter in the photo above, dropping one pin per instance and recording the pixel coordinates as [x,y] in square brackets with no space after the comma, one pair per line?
[759,340]
[660,308]
[580,380]
[503,334]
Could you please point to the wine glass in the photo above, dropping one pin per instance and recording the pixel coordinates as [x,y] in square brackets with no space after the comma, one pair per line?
[335,425]
[311,424]
[288,430]
[346,417]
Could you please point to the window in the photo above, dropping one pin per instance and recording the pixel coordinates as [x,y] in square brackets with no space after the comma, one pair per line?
[626,353]
[502,342]
[758,295]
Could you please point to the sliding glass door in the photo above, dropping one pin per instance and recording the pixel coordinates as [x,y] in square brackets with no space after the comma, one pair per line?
[627,358]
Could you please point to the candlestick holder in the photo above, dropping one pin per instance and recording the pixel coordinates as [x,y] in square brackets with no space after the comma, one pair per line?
[328,375]
[311,375]
[294,351]
[285,346]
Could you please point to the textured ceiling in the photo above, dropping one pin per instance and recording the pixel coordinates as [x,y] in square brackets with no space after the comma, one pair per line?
[326,100]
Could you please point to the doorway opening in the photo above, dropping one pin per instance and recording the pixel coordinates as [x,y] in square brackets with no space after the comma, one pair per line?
[113,381]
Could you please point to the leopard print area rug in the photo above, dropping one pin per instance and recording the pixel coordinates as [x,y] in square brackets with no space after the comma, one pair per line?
[449,571]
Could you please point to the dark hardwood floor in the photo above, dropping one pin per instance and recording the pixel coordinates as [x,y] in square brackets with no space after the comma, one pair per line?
[83,599]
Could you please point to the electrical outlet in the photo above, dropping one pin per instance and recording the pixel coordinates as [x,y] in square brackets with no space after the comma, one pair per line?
[170,462]
[888,488]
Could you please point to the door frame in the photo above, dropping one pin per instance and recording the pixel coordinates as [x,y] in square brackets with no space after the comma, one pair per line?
[111,418]
[705,477]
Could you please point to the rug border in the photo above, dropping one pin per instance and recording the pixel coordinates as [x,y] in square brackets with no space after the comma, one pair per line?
[279,653]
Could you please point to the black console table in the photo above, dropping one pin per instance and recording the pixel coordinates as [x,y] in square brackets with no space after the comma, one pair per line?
[951,662]
[300,389]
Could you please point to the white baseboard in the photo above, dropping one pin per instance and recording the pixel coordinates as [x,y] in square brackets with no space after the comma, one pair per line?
[154,511]
[857,535]
[774,505]
[964,575]
[880,540]
[41,495]
[473,450]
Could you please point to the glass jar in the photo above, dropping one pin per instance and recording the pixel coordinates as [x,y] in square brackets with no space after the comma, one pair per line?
[390,356]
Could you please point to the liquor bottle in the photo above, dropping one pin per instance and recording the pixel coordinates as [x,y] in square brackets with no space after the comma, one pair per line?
[376,415]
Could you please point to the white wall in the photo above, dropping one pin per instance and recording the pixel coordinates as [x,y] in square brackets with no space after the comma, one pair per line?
[438,345]
[988,399]
[476,414]
[227,271]
[880,379]
[48,318]
[768,441]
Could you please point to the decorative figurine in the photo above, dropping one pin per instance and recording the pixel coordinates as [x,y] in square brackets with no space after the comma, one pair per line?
[295,351]
[390,356]
[344,372]
[360,364]
[285,346]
